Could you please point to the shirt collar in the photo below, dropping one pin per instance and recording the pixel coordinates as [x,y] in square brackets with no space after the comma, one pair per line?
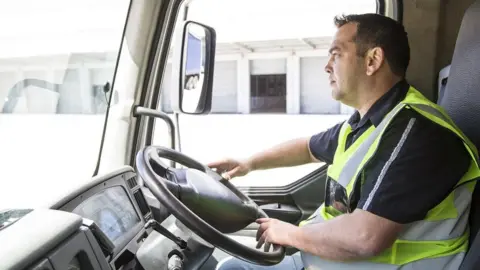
[381,107]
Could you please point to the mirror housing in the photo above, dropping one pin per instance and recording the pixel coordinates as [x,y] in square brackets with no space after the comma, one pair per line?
[192,69]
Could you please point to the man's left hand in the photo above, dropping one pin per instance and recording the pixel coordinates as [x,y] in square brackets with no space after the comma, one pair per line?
[274,231]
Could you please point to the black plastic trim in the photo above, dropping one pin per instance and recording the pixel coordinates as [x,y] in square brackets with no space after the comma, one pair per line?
[293,195]
[287,189]
[77,246]
[142,111]
[94,182]
[284,212]
[381,6]
[96,248]
[43,265]
[398,10]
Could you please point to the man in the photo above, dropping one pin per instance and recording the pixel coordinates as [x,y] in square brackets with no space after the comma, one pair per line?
[401,174]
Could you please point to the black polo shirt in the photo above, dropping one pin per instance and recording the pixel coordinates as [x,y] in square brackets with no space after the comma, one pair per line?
[416,165]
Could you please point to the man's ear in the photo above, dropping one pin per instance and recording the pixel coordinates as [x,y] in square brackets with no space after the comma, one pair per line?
[374,60]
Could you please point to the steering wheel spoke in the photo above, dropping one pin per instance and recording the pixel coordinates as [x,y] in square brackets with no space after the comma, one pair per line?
[203,201]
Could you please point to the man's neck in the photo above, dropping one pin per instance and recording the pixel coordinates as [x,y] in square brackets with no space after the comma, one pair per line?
[372,92]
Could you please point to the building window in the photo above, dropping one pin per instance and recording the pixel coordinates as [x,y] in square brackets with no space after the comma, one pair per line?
[268,93]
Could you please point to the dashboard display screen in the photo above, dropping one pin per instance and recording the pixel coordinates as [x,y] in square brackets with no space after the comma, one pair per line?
[112,211]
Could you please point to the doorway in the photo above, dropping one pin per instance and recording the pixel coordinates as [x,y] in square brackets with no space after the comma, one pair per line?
[268,93]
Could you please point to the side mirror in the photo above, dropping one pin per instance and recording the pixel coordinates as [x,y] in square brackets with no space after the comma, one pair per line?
[192,69]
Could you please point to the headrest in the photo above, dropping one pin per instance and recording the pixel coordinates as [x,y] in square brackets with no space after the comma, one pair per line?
[461,97]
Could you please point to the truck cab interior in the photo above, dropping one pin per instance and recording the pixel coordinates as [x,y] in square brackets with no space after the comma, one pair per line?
[165,210]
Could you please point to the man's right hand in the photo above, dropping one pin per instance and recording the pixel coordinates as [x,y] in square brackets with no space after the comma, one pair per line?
[230,168]
[290,153]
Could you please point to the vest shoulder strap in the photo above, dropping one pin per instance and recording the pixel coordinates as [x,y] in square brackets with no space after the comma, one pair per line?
[437,114]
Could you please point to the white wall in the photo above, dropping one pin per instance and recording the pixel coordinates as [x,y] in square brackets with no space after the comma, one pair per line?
[225,87]
[268,66]
[308,91]
[315,92]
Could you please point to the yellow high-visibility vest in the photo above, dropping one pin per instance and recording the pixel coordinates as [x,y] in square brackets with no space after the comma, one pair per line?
[440,240]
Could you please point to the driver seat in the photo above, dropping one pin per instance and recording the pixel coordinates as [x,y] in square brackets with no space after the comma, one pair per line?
[461,100]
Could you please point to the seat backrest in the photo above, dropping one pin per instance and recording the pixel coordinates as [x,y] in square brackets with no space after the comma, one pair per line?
[461,99]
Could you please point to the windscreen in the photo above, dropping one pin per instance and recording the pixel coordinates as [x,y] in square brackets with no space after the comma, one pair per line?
[57,62]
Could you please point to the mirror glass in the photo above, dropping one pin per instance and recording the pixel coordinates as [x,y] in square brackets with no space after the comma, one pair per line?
[194,51]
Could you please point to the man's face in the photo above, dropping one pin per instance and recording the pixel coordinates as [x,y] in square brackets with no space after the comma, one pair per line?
[345,68]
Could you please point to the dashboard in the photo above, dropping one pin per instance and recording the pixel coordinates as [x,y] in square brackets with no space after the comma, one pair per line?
[103,224]
[112,211]
[117,206]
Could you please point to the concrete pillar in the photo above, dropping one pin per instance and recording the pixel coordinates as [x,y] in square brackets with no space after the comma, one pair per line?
[86,89]
[293,84]
[243,85]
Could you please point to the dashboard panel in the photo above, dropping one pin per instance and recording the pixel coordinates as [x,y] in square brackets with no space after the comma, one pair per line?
[118,207]
[112,211]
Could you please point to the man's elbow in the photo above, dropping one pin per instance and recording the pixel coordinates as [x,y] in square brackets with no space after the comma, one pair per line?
[371,245]
[311,157]
[374,233]
[369,250]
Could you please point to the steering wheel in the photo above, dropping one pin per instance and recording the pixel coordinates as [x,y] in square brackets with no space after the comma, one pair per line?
[204,201]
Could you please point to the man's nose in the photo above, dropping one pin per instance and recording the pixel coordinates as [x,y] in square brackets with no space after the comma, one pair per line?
[328,66]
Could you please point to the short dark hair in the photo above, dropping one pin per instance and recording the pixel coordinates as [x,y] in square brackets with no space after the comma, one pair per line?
[375,30]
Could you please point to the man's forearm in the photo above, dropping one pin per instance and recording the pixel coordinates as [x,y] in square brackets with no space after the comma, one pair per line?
[336,240]
[291,153]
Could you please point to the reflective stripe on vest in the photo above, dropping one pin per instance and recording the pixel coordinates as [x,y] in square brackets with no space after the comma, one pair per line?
[447,263]
[352,165]
[442,236]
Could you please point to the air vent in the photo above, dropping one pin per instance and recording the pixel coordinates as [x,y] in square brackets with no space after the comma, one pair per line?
[132,182]
[142,203]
